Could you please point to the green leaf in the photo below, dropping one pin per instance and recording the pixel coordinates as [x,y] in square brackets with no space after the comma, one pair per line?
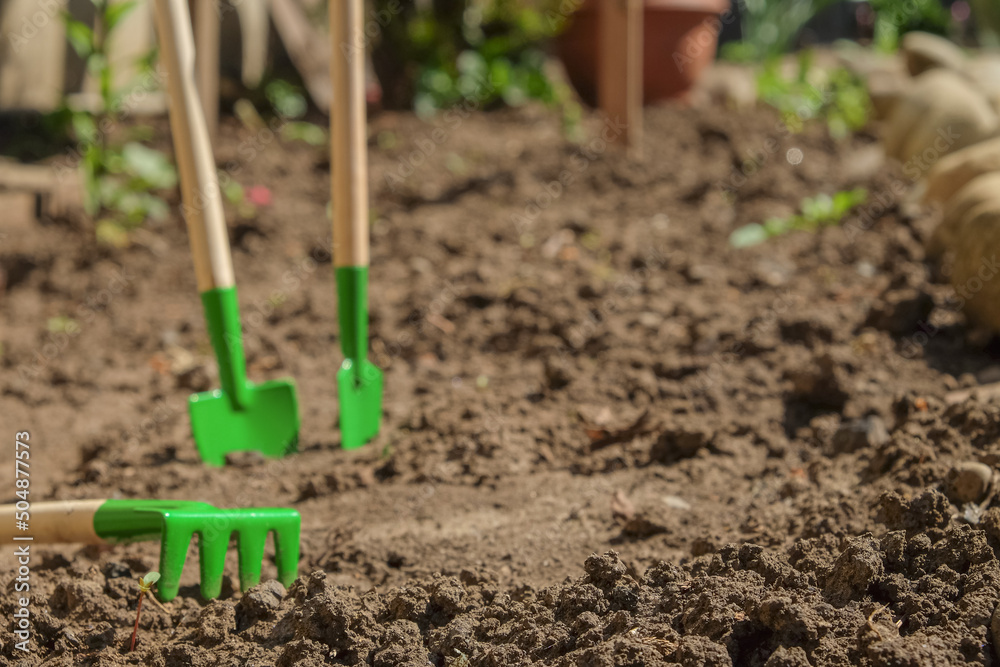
[150,165]
[233,192]
[817,208]
[84,127]
[845,200]
[80,36]
[778,226]
[110,232]
[286,99]
[748,235]
[116,13]
[312,134]
[151,578]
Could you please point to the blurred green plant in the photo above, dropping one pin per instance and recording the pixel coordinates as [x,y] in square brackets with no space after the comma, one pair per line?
[120,180]
[289,103]
[770,27]
[893,18]
[836,96]
[488,52]
[987,13]
[819,211]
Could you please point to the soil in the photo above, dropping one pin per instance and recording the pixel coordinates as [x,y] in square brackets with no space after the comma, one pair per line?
[609,438]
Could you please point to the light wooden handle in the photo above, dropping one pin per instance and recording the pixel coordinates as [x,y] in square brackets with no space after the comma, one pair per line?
[206,37]
[348,135]
[58,522]
[199,182]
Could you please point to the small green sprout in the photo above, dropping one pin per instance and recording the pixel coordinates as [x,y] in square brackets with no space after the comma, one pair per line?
[145,584]
[819,211]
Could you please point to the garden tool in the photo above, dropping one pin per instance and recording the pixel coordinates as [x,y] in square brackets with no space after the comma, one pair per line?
[242,416]
[173,522]
[359,382]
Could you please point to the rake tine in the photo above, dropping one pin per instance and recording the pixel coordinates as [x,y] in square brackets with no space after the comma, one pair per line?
[250,548]
[286,550]
[173,552]
[212,555]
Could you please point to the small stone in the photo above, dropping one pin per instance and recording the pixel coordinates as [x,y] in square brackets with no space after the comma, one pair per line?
[676,503]
[650,320]
[968,482]
[924,51]
[868,431]
[865,269]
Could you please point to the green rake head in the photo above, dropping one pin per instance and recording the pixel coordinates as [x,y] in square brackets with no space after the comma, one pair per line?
[174,522]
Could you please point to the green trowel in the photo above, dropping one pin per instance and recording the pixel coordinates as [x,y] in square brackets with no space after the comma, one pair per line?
[174,523]
[359,381]
[241,416]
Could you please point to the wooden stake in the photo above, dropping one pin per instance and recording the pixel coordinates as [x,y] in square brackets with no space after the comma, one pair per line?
[619,82]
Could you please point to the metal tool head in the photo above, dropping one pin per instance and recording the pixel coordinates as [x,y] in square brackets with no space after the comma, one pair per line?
[267,421]
[360,396]
[174,523]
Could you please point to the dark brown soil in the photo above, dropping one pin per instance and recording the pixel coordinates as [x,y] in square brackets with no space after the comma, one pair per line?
[757,440]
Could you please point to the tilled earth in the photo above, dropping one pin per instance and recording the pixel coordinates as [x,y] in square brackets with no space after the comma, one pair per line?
[610,438]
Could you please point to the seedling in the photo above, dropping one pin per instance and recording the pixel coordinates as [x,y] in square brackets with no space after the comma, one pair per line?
[145,583]
[818,211]
[119,180]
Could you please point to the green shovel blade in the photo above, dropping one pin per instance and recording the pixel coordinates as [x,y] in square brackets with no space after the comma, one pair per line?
[360,402]
[359,381]
[268,422]
[242,416]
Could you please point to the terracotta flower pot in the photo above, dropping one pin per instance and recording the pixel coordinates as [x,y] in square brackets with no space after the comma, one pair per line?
[679,41]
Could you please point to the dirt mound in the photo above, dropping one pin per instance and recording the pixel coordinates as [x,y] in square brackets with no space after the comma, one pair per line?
[921,599]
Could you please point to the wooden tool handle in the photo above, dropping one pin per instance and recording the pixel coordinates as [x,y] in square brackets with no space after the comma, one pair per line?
[57,522]
[348,134]
[206,19]
[206,224]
